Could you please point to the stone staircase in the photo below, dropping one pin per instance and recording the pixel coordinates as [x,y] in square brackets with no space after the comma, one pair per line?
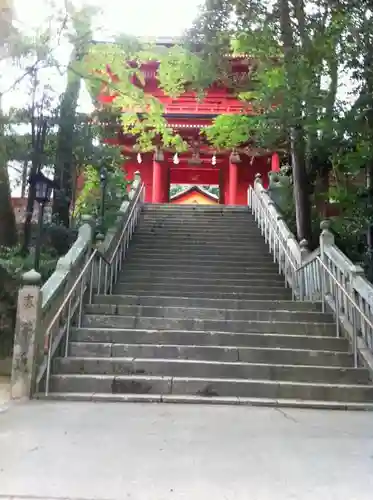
[200,314]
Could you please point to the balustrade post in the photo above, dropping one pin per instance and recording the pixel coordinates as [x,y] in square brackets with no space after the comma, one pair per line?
[326,240]
[28,338]
[258,179]
[258,182]
[288,268]
[326,236]
[249,198]
[302,274]
[354,272]
[137,177]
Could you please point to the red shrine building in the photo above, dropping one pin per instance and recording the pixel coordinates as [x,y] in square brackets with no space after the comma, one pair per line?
[201,164]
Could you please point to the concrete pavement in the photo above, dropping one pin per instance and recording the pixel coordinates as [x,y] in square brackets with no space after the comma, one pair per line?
[110,451]
[4,390]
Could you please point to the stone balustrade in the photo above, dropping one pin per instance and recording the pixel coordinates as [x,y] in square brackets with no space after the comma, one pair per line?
[326,274]
[42,308]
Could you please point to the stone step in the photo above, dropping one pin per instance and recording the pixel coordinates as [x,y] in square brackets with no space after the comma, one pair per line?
[160,385]
[261,293]
[251,251]
[253,305]
[205,253]
[278,294]
[237,219]
[150,258]
[181,282]
[209,369]
[172,275]
[207,223]
[222,245]
[212,353]
[137,264]
[198,224]
[236,238]
[192,241]
[191,215]
[211,400]
[220,240]
[199,218]
[246,227]
[202,255]
[209,313]
[234,326]
[159,288]
[199,209]
[168,343]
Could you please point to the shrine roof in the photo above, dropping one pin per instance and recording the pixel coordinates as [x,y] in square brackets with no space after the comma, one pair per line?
[195,189]
[156,40]
[168,42]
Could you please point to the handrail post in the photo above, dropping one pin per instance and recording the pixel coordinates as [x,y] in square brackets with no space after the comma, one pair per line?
[326,239]
[357,322]
[302,277]
[258,182]
[249,197]
[28,339]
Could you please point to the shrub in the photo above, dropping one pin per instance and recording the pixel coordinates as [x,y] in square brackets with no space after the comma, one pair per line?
[12,266]
[89,199]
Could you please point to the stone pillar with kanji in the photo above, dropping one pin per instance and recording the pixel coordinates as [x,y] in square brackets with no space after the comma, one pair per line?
[28,338]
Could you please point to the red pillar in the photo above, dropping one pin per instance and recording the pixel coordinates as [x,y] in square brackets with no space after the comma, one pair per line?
[221,187]
[157,182]
[165,183]
[275,162]
[234,159]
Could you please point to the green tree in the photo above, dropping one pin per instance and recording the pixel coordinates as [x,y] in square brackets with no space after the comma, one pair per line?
[79,38]
[8,232]
[296,49]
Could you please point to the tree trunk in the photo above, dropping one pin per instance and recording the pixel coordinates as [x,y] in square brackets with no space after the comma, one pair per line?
[24,178]
[64,150]
[8,228]
[300,186]
[297,138]
[39,134]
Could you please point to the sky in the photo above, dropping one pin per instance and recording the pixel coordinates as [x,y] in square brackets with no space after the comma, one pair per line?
[137,17]
[134,17]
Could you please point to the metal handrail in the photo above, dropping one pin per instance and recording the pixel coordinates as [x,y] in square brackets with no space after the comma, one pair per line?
[352,301]
[309,261]
[67,298]
[80,281]
[135,200]
[355,307]
[275,227]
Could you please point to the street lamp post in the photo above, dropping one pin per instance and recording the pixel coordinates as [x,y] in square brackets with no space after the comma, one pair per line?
[103,185]
[369,238]
[43,192]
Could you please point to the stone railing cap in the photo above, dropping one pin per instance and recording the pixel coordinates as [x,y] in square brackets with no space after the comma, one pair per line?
[325,224]
[87,218]
[31,277]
